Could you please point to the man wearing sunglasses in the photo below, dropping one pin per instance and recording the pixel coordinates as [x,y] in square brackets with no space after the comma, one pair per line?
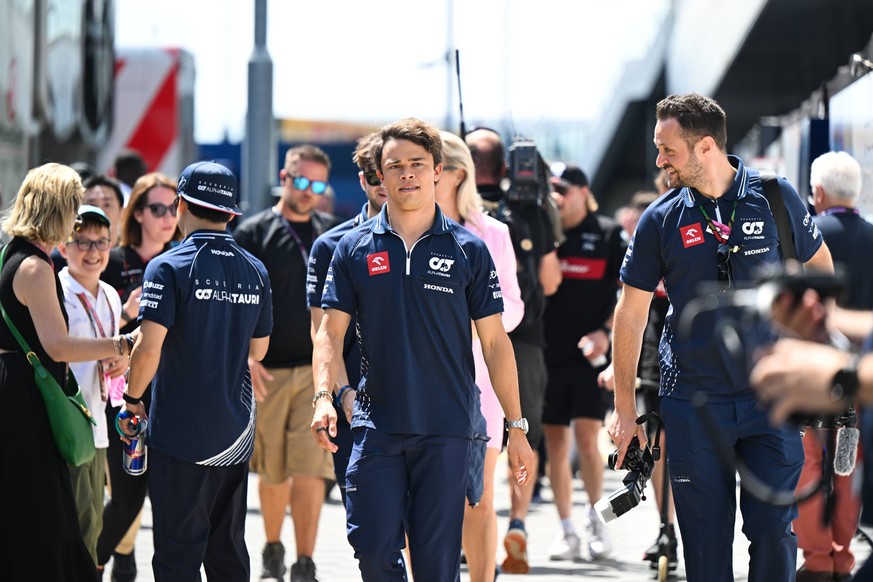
[282,237]
[714,228]
[319,261]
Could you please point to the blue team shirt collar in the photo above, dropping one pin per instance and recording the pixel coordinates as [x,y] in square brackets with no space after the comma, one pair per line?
[361,218]
[441,224]
[208,233]
[738,188]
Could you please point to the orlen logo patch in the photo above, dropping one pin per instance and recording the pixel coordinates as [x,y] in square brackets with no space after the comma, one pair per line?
[692,235]
[377,263]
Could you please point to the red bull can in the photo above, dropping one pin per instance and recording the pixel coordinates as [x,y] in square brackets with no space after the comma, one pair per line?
[133,453]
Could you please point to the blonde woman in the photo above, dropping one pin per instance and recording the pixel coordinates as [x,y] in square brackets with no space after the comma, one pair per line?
[38,520]
[458,199]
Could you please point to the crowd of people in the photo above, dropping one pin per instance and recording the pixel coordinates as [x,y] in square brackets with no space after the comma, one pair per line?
[398,353]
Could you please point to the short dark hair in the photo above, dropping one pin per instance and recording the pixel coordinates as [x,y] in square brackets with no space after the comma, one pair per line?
[111,183]
[698,116]
[410,129]
[129,166]
[209,214]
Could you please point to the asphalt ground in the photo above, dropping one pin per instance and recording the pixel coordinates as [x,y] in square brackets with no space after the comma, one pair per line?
[631,534]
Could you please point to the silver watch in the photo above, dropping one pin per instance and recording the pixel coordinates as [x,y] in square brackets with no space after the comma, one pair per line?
[520,423]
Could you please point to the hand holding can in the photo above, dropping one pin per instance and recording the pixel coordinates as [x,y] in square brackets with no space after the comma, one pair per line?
[132,428]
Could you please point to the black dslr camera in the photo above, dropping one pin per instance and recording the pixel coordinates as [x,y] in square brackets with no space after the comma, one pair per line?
[639,463]
[528,173]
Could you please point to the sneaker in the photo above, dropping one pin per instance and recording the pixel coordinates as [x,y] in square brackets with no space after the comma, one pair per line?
[303,570]
[667,537]
[565,547]
[123,567]
[599,544]
[274,561]
[515,543]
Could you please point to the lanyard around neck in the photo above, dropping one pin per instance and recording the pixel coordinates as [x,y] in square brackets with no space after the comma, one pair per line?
[840,210]
[304,251]
[722,232]
[96,326]
[98,330]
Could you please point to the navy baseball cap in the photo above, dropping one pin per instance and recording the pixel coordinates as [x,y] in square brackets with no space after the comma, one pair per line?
[572,176]
[209,185]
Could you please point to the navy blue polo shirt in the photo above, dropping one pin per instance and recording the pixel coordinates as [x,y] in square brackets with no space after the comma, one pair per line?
[319,262]
[414,309]
[213,297]
[673,241]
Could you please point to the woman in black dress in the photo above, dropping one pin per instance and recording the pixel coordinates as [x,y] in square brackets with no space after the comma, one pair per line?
[38,515]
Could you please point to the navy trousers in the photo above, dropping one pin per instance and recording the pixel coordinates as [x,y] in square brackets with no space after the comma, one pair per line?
[704,487]
[397,482]
[199,516]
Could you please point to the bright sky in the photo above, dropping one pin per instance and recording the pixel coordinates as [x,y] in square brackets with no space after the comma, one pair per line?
[378,61]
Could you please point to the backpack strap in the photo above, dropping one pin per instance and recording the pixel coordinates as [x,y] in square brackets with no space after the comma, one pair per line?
[780,214]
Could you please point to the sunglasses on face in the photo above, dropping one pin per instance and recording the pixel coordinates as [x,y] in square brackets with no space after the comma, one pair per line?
[159,210]
[302,183]
[86,245]
[560,189]
[723,267]
[372,178]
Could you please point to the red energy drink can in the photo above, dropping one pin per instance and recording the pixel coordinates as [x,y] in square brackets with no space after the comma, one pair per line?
[133,453]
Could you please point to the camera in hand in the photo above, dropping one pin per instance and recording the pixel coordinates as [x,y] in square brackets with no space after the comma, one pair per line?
[639,465]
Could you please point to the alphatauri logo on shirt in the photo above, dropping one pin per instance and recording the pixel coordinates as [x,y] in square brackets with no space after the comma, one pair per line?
[378,263]
[692,235]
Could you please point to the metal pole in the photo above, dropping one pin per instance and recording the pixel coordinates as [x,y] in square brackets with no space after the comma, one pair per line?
[259,145]
[450,56]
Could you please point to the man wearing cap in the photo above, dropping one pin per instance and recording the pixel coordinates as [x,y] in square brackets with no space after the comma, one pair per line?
[578,320]
[206,309]
[291,468]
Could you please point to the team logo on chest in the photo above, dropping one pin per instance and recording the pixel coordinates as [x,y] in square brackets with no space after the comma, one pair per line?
[378,264]
[753,227]
[692,235]
[440,265]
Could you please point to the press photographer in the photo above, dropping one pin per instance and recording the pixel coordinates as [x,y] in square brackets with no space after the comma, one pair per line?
[715,227]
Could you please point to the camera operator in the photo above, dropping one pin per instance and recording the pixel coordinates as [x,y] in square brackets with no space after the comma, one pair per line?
[715,226]
[533,233]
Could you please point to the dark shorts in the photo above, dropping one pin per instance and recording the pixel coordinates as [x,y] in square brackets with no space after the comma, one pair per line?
[572,392]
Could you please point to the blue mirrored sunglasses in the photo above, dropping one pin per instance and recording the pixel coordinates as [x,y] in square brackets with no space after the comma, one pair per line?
[302,183]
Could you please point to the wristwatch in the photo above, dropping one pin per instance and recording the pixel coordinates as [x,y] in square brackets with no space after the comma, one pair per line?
[520,423]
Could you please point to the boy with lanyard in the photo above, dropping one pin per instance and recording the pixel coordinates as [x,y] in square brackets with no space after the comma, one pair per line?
[93,308]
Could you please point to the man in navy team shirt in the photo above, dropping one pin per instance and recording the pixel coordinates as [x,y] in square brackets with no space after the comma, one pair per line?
[414,280]
[715,226]
[206,308]
[319,261]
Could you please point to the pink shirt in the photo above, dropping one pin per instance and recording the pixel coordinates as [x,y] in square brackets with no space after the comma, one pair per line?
[495,234]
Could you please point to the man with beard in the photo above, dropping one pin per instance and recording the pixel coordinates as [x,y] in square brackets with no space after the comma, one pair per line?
[319,261]
[714,227]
